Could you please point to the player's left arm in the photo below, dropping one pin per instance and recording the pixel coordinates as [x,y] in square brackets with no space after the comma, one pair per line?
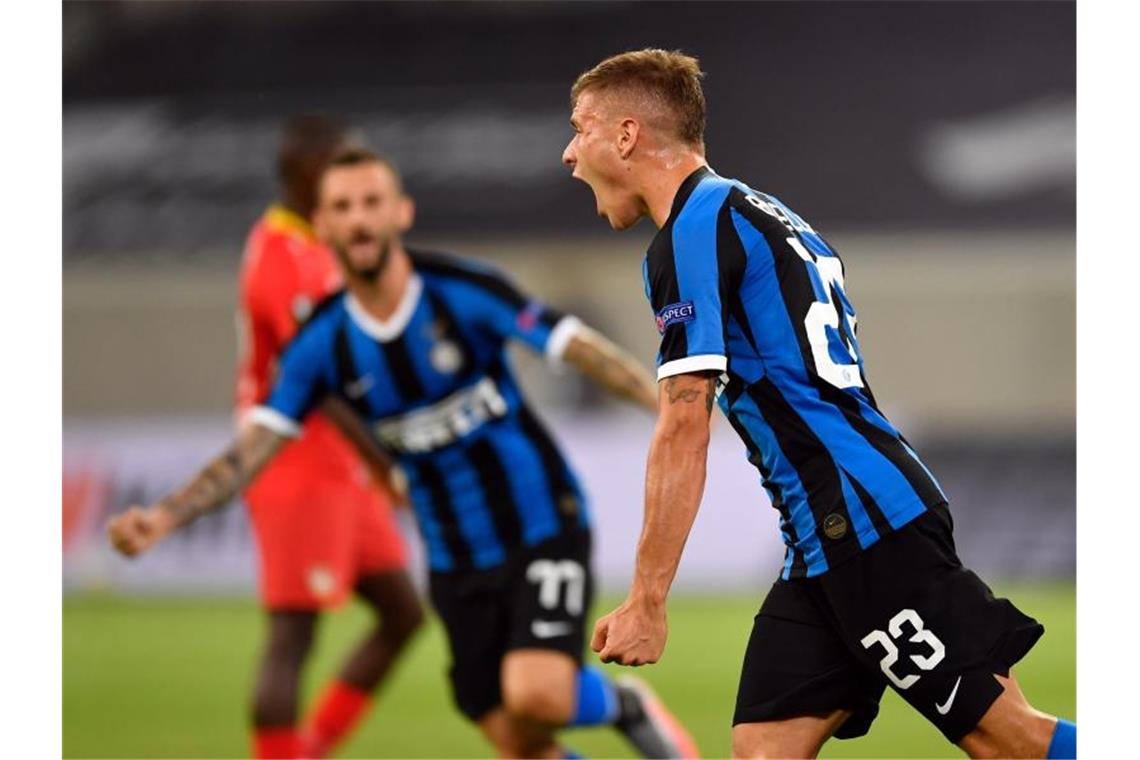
[635,632]
[611,367]
[511,313]
[380,465]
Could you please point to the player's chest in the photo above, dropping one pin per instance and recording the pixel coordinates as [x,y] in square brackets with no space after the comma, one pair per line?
[430,362]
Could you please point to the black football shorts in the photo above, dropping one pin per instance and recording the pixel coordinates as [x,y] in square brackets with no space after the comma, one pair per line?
[904,613]
[537,599]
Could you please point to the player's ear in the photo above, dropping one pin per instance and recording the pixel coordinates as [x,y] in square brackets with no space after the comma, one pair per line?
[628,132]
[407,213]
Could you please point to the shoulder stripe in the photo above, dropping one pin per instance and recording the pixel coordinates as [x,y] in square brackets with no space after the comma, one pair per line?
[483,276]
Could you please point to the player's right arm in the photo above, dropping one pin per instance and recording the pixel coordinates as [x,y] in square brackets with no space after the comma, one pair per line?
[635,632]
[139,528]
[685,289]
[301,385]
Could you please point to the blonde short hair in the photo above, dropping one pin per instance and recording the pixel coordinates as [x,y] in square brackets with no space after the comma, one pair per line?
[668,78]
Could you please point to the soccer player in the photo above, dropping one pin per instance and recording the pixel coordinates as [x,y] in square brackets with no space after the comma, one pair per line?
[753,317]
[323,530]
[416,345]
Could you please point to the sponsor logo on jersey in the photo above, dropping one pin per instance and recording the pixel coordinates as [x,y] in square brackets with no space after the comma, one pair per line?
[675,314]
[445,421]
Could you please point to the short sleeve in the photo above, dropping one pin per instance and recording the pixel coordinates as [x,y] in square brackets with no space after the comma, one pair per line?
[510,313]
[299,386]
[683,283]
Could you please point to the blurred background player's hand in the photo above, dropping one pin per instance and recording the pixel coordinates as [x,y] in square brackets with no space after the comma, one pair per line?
[138,529]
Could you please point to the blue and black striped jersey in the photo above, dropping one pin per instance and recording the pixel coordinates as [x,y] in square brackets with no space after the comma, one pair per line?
[742,285]
[485,478]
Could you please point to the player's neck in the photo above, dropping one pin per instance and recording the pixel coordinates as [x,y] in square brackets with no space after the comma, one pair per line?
[381,297]
[664,182]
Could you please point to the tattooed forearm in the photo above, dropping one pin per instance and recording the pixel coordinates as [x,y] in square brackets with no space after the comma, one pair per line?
[221,479]
[679,389]
[612,368]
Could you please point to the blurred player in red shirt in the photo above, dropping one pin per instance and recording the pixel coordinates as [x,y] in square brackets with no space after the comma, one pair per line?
[323,528]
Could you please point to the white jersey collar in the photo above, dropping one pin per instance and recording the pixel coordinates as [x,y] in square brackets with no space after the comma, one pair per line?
[387,330]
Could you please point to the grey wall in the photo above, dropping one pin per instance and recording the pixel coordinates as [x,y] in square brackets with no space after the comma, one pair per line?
[961,332]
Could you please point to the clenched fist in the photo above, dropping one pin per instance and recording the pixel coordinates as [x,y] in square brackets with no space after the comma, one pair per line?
[138,529]
[633,634]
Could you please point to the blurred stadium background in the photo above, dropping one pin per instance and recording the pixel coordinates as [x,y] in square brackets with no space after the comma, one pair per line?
[933,143]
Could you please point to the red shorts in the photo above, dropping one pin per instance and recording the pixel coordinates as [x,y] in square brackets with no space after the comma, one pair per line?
[317,536]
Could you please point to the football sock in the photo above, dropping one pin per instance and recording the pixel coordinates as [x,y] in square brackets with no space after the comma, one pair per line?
[337,711]
[569,754]
[277,743]
[597,699]
[1064,743]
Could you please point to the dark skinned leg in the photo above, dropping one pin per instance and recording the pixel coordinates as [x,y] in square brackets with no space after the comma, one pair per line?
[275,697]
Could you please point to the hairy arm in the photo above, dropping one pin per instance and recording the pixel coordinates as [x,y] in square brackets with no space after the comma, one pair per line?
[137,529]
[611,367]
[634,633]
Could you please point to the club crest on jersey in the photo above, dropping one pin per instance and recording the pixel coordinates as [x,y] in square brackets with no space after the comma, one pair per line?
[446,358]
[675,314]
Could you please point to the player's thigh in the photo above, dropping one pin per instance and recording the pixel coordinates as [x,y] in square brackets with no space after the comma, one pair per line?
[540,685]
[476,618]
[1011,727]
[796,666]
[552,590]
[928,627]
[788,738]
[304,532]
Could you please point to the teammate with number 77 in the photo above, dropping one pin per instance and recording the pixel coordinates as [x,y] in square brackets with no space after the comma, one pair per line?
[416,345]
[750,304]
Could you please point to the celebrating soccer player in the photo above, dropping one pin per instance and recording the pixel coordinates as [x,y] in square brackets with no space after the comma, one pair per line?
[322,528]
[416,346]
[753,317]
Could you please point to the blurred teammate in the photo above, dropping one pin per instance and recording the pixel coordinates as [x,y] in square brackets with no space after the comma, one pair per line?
[750,304]
[322,528]
[416,345]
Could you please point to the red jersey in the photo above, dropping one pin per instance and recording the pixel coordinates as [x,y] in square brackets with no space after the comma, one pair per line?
[285,273]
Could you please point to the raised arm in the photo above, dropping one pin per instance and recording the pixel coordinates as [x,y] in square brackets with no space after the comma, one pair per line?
[139,528]
[611,367]
[635,633]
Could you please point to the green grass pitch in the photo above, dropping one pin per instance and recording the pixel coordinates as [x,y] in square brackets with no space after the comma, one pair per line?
[171,677]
